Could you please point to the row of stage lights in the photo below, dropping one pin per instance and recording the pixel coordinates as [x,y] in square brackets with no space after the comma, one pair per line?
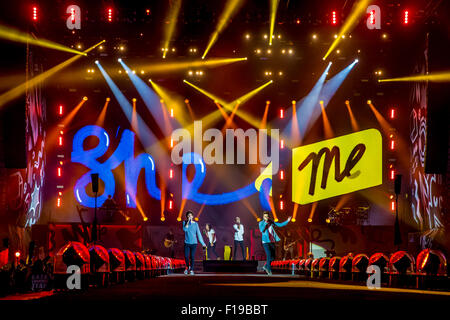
[332,18]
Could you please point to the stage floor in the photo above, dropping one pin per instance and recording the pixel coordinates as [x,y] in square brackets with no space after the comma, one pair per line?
[283,295]
[223,286]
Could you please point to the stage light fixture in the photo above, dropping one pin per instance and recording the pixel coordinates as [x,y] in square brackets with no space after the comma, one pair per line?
[109,13]
[309,220]
[96,61]
[392,113]
[314,36]
[405,17]
[333,18]
[85,98]
[145,219]
[247,36]
[119,60]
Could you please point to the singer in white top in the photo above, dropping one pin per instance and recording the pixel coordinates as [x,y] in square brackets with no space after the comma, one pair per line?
[211,245]
[238,237]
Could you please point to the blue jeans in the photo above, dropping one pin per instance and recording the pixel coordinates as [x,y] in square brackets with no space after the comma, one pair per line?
[269,248]
[189,254]
[241,243]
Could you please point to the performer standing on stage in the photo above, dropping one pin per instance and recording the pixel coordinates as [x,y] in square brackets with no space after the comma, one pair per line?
[269,238]
[211,234]
[191,235]
[238,237]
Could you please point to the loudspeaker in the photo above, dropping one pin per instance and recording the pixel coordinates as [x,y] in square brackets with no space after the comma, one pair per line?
[13,121]
[436,150]
[437,137]
[398,184]
[94,178]
[31,249]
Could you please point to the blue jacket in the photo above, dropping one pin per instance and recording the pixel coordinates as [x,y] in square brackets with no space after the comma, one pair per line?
[265,234]
[192,233]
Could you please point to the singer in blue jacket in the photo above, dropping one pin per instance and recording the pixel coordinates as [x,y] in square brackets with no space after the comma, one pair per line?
[269,238]
[191,234]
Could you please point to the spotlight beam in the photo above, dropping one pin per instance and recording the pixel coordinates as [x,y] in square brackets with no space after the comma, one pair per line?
[432,77]
[349,24]
[150,98]
[20,89]
[231,7]
[273,15]
[183,65]
[22,37]
[172,17]
[146,136]
[230,105]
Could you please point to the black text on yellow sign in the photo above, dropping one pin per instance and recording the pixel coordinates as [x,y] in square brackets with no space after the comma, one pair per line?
[336,166]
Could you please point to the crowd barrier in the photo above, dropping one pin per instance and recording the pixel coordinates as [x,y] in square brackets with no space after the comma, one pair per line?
[400,269]
[102,267]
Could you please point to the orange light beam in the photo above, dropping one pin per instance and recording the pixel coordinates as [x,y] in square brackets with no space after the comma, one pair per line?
[264,118]
[329,133]
[313,210]
[101,118]
[294,215]
[355,126]
[191,112]
[342,201]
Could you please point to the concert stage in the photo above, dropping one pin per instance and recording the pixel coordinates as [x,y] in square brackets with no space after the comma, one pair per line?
[219,266]
[282,294]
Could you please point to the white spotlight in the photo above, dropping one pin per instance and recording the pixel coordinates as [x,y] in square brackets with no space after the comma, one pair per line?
[120,60]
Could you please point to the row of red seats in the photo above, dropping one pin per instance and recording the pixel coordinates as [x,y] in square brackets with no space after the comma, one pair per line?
[429,263]
[100,266]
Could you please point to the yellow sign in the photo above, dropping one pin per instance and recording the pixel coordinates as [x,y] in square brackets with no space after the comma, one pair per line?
[336,166]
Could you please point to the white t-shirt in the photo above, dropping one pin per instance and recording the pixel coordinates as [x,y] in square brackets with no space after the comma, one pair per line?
[239,232]
[211,234]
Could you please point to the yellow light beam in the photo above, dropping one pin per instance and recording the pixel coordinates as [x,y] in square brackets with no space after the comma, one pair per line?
[206,93]
[182,65]
[273,16]
[352,20]
[23,37]
[230,105]
[433,77]
[20,89]
[231,7]
[355,126]
[172,18]
[172,101]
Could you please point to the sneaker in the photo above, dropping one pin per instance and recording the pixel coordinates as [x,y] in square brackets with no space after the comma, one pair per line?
[269,273]
[186,271]
[192,272]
